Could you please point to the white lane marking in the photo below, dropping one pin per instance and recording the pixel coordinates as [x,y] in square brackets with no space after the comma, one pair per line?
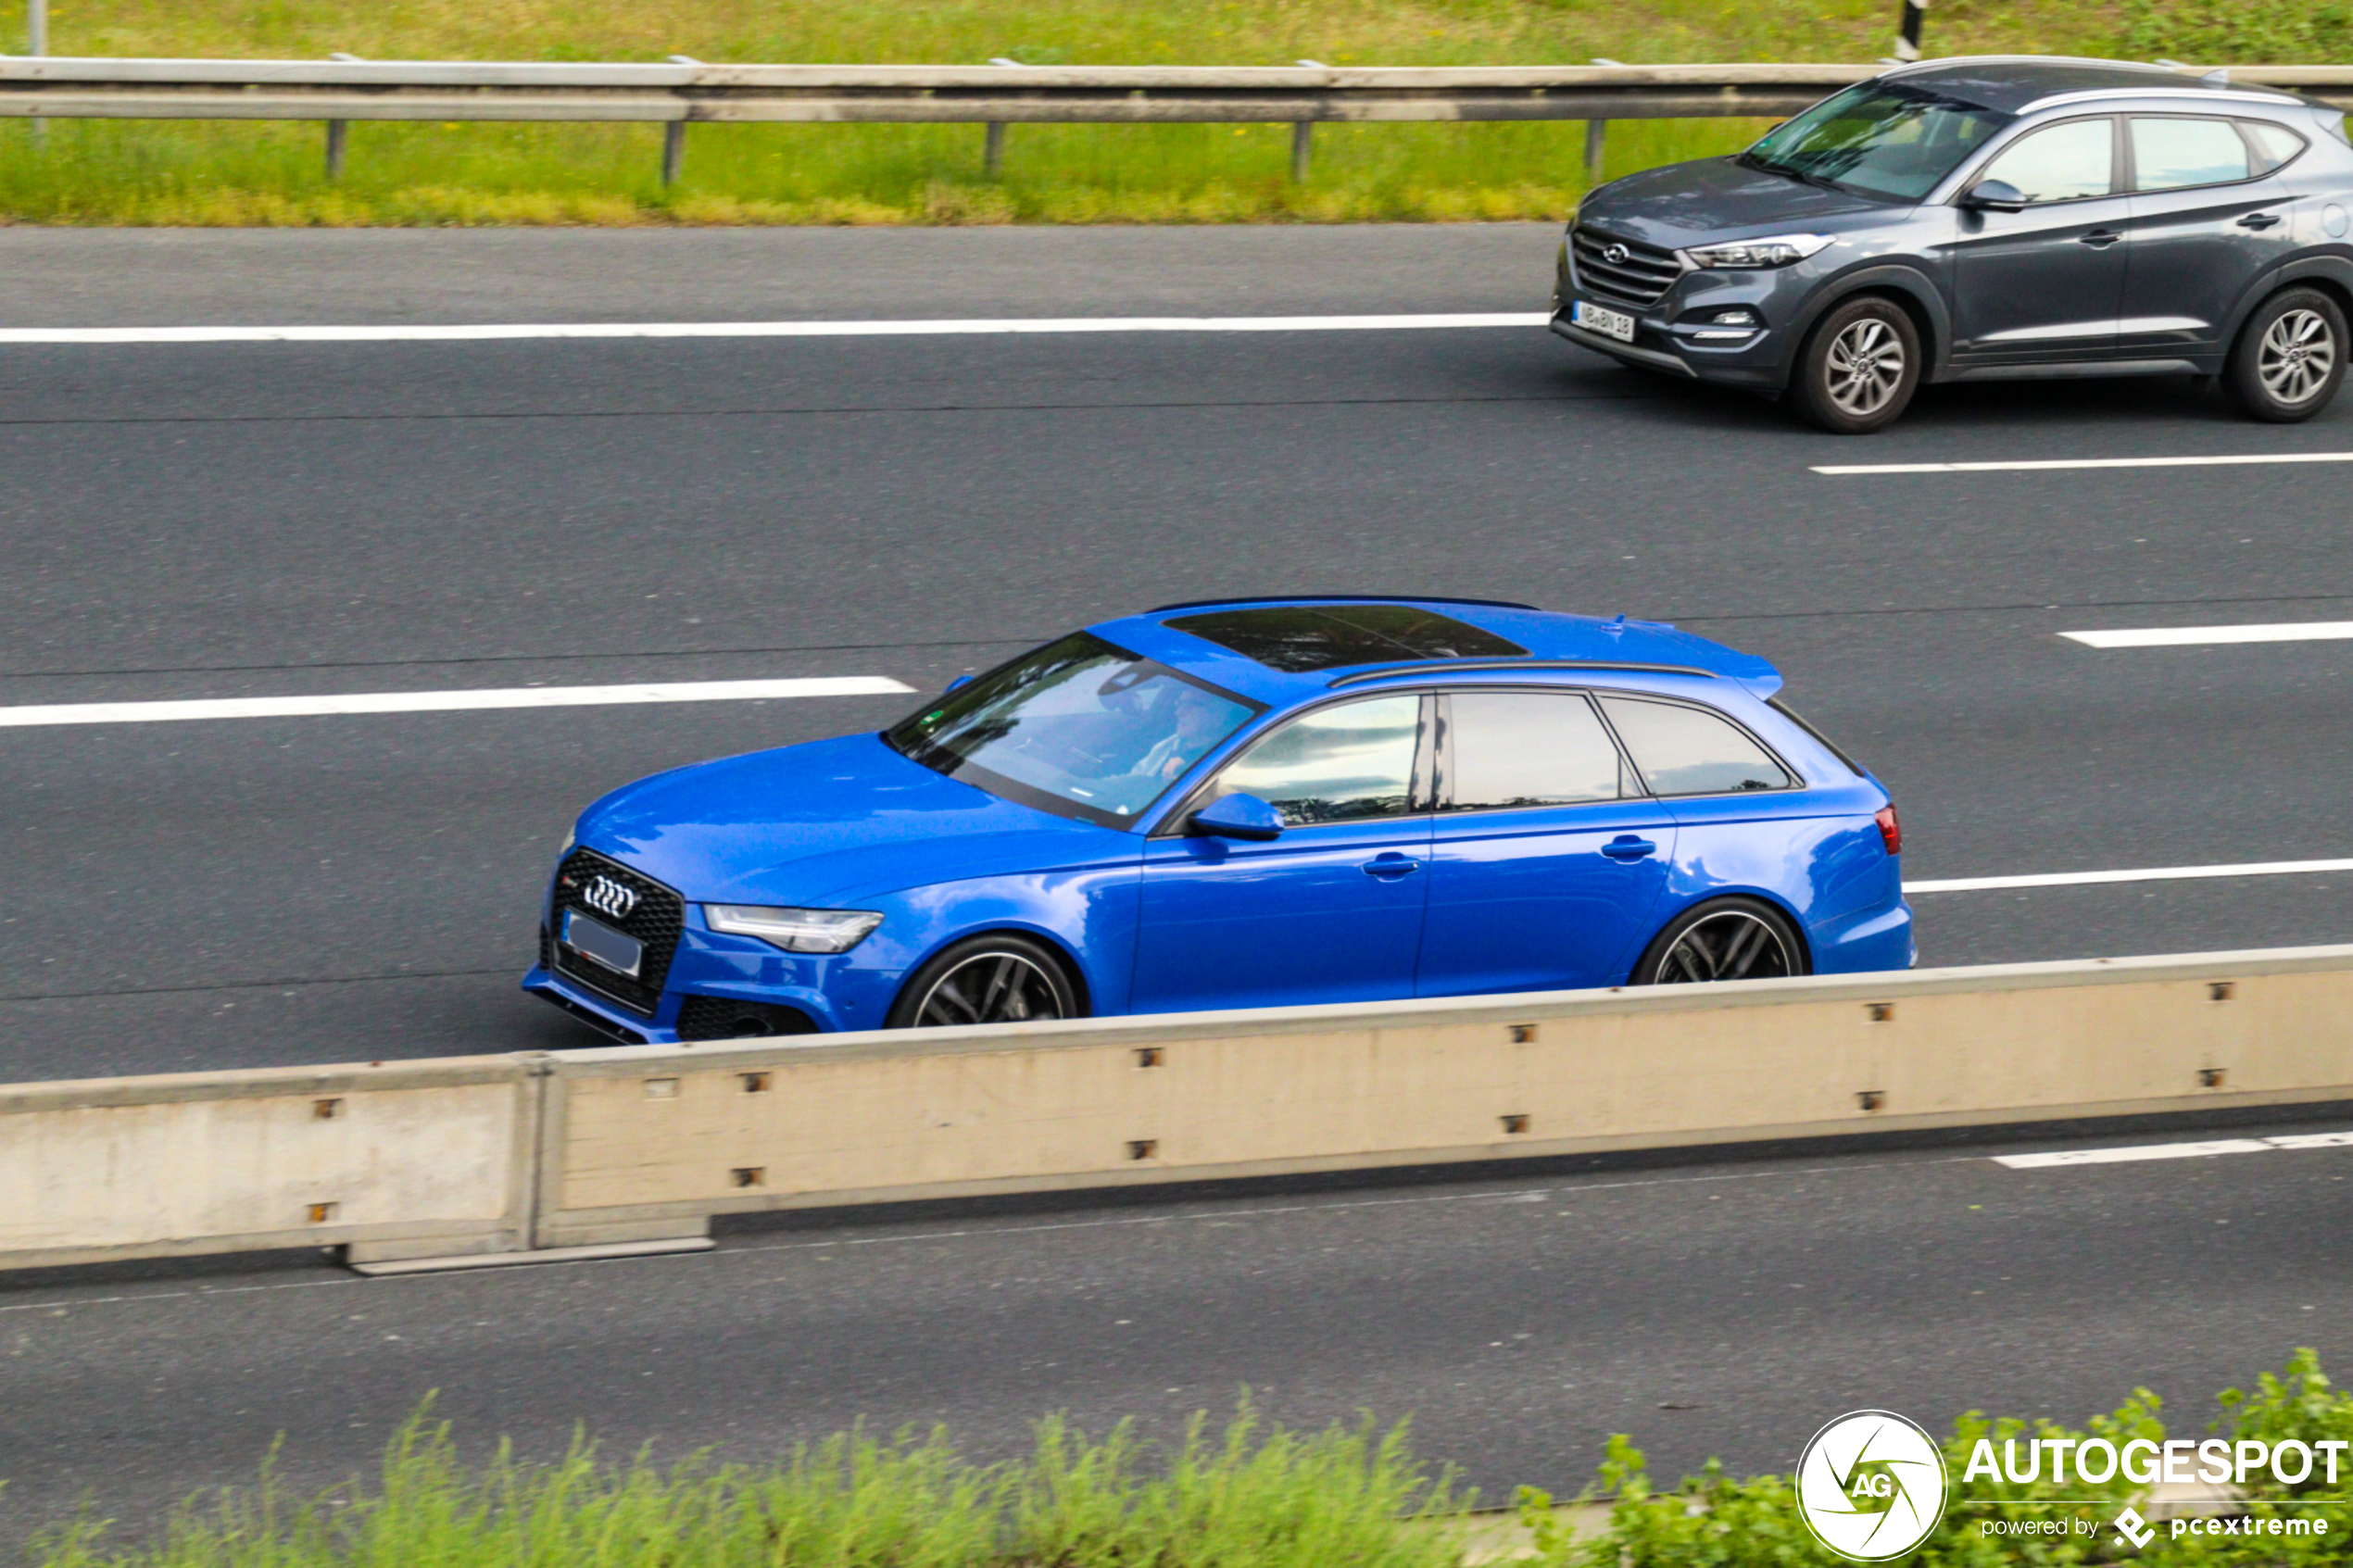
[2141,873]
[2190,636]
[445,701]
[2044,465]
[2172,1150]
[497,330]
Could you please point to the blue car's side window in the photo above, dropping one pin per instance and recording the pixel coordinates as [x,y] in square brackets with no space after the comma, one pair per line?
[1513,749]
[1684,750]
[1351,761]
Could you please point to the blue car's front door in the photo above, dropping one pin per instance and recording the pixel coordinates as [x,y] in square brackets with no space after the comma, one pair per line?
[1332,912]
[1547,857]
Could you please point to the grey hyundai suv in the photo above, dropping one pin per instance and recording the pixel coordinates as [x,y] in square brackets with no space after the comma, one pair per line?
[1986,218]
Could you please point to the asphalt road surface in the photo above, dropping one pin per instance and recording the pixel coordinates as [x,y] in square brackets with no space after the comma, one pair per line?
[244,519]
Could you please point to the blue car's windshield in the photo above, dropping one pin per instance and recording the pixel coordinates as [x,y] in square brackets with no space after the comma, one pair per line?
[1878,139]
[1078,727]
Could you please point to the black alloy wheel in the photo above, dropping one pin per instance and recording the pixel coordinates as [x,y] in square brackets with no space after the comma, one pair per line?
[2289,357]
[1859,367]
[1728,939]
[1004,979]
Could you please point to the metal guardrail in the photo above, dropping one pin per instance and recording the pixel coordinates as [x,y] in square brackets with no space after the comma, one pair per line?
[684,92]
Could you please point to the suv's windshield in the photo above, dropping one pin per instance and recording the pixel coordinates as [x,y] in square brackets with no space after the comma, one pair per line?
[1878,139]
[1078,727]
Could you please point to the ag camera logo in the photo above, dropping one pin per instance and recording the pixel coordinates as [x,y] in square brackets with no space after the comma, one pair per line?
[1871,1486]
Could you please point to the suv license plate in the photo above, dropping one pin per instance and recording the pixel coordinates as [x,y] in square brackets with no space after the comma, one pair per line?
[1601,320]
[600,944]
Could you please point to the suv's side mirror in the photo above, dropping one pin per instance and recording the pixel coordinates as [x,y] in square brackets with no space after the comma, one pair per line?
[1995,195]
[1238,816]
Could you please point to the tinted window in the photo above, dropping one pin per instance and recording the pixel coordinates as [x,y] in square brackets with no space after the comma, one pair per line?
[2171,154]
[1688,751]
[1529,748]
[1337,764]
[2274,145]
[2064,163]
[1078,723]
[1305,637]
[1882,139]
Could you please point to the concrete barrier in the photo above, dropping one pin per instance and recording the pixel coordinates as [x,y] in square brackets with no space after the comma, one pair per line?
[411,1157]
[508,1159]
[642,1142]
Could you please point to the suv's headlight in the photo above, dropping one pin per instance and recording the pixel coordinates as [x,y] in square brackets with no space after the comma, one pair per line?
[796,931]
[1778,250]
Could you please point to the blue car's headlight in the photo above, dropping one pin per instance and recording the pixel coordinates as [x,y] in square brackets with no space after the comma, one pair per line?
[1778,250]
[796,931]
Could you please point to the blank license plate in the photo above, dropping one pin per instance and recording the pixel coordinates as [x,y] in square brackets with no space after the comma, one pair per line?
[600,943]
[1602,319]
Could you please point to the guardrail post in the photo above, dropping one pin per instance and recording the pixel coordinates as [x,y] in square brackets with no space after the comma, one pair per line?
[992,149]
[673,151]
[1908,30]
[1596,137]
[36,25]
[338,138]
[1302,136]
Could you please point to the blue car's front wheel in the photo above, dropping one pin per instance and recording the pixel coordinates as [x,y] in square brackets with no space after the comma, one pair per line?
[1001,978]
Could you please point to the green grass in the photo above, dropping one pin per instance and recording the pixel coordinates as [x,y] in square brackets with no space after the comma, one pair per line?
[227,173]
[1247,1497]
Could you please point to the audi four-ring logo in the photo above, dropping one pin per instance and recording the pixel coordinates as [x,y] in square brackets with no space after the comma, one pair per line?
[1615,255]
[609,898]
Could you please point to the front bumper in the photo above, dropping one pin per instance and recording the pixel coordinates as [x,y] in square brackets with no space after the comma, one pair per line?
[699,983]
[1677,332]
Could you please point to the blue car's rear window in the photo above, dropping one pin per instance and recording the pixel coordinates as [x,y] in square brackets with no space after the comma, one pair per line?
[1078,727]
[1297,638]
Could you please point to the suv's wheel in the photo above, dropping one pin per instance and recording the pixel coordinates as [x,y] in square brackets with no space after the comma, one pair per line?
[1725,939]
[1859,367]
[1000,979]
[2289,357]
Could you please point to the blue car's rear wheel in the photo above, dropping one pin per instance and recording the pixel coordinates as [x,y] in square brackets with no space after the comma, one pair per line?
[1726,939]
[1000,979]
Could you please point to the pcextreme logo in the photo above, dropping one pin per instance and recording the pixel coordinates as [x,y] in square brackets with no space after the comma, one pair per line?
[1871,1486]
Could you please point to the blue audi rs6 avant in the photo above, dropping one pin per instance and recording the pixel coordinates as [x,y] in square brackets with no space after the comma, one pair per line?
[1245,803]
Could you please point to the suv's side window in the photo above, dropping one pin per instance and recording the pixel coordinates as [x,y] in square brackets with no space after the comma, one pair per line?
[1690,751]
[2176,151]
[1529,748]
[1344,763]
[2275,145]
[2064,162]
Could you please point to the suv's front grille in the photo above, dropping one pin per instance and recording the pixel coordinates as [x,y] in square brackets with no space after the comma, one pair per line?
[655,917]
[1620,270]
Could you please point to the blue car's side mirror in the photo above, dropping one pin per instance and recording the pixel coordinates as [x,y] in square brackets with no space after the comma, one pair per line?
[959,681]
[1238,816]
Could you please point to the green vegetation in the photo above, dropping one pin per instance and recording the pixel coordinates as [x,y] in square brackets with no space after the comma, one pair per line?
[1251,1497]
[231,173]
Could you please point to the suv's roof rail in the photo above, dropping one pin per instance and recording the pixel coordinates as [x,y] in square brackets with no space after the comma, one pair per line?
[1483,666]
[1339,599]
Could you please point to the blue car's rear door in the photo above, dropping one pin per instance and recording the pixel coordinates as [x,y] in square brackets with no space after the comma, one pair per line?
[1547,857]
[1332,912]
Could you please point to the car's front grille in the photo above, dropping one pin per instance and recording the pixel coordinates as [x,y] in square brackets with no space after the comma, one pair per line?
[1620,270]
[655,916]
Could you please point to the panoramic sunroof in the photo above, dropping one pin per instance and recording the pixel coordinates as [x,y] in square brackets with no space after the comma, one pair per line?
[1299,638]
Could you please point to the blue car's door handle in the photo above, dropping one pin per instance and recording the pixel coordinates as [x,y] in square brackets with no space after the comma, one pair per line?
[1392,866]
[1626,847]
